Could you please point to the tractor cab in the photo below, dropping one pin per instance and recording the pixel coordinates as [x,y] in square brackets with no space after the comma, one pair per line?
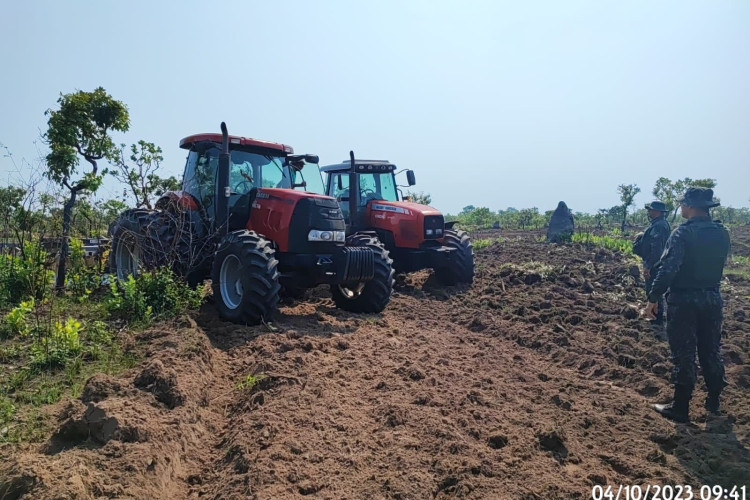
[253,164]
[416,235]
[375,179]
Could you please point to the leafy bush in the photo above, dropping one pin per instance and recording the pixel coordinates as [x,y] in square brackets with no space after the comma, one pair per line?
[59,346]
[26,276]
[481,243]
[15,321]
[151,295]
[609,242]
[81,279]
[97,337]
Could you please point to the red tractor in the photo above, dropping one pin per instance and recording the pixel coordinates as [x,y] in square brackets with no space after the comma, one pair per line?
[254,218]
[416,236]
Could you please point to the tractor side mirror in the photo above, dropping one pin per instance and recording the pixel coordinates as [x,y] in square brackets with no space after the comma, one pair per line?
[339,184]
[312,158]
[410,177]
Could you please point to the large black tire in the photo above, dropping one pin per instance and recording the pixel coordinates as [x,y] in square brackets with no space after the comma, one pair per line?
[129,252]
[461,266]
[371,296]
[176,245]
[245,278]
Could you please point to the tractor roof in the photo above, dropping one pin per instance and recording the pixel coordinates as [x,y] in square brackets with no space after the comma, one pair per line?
[234,140]
[360,165]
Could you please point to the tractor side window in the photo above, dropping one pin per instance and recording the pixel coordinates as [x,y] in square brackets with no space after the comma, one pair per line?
[340,185]
[340,191]
[388,187]
[273,174]
[200,176]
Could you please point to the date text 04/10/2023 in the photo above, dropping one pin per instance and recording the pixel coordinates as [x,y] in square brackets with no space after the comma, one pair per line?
[668,492]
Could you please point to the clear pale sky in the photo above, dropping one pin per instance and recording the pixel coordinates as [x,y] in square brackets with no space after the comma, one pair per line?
[492,103]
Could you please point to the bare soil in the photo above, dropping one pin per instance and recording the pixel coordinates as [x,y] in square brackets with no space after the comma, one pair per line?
[534,383]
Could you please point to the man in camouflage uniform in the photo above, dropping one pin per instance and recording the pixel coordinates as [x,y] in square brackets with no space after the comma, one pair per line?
[691,269]
[649,247]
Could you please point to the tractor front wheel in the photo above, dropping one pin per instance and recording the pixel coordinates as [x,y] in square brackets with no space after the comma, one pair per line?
[460,268]
[245,278]
[370,296]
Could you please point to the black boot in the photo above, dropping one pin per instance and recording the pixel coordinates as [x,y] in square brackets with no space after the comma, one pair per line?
[677,410]
[712,403]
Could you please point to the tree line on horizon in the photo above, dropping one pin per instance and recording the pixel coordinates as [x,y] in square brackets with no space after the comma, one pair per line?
[82,152]
[621,215]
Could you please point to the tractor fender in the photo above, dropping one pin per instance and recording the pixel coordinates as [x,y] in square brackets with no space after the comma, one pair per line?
[181,199]
[449,225]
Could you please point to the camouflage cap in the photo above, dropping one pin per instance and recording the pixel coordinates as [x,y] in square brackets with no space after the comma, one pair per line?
[699,197]
[657,205]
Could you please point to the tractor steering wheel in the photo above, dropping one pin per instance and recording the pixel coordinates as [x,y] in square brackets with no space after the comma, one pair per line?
[368,194]
[242,183]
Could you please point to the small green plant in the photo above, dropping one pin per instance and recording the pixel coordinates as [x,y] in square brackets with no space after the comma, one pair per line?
[481,244]
[249,382]
[15,321]
[62,344]
[615,244]
[81,279]
[151,295]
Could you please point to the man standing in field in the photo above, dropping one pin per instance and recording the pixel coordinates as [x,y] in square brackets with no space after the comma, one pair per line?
[691,268]
[650,246]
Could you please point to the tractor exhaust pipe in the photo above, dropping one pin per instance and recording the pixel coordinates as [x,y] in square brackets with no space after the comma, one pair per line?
[222,186]
[353,194]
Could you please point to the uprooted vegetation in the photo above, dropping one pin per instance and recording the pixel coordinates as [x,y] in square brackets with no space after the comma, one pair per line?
[533,383]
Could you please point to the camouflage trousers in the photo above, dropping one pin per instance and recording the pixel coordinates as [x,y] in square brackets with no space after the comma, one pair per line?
[694,324]
[660,311]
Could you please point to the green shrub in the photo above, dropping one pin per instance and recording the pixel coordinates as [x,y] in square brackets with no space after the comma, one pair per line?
[26,276]
[62,343]
[609,242]
[481,243]
[15,321]
[151,295]
[81,279]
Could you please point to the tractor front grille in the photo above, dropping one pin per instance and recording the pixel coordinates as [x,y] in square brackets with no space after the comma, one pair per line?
[434,225]
[359,265]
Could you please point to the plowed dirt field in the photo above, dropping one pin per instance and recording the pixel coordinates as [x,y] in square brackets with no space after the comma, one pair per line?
[534,383]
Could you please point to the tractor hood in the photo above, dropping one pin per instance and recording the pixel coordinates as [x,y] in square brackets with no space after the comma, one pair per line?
[402,207]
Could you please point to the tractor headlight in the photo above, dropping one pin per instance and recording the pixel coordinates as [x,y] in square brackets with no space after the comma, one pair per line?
[438,232]
[324,235]
[428,232]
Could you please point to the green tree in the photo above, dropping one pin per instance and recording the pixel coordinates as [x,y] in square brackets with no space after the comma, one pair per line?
[81,127]
[420,197]
[627,194]
[140,173]
[669,192]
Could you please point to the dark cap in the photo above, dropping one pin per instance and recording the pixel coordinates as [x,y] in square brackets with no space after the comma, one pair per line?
[657,205]
[699,197]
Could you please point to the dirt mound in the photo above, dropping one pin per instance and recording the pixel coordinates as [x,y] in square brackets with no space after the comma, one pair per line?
[533,383]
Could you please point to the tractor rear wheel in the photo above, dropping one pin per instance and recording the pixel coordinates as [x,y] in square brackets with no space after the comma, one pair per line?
[461,266]
[178,247]
[128,254]
[245,278]
[370,296]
